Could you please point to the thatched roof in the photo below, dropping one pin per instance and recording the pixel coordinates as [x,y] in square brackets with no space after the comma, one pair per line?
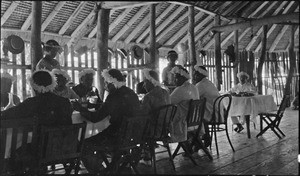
[71,21]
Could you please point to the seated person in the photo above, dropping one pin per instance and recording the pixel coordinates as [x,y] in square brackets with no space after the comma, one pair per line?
[48,107]
[121,102]
[155,98]
[62,78]
[51,49]
[6,84]
[182,94]
[85,89]
[208,90]
[242,86]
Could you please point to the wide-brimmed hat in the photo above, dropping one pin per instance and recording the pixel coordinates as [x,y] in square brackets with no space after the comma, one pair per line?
[137,51]
[14,44]
[242,74]
[114,76]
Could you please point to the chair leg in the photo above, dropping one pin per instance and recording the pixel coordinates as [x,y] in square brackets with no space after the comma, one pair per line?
[153,157]
[226,129]
[261,122]
[211,135]
[176,150]
[279,130]
[200,143]
[184,147]
[216,142]
[170,156]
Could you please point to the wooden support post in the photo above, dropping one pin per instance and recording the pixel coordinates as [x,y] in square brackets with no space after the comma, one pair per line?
[192,38]
[102,46]
[236,52]
[262,59]
[287,90]
[36,46]
[218,55]
[153,58]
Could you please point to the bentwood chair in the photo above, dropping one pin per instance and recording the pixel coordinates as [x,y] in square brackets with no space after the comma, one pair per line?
[61,144]
[159,131]
[217,120]
[273,119]
[18,143]
[126,148]
[194,119]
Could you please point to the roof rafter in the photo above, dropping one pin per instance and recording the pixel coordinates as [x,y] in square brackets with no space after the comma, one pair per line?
[275,25]
[130,23]
[182,30]
[157,20]
[72,17]
[27,22]
[125,4]
[57,8]
[9,11]
[165,23]
[250,44]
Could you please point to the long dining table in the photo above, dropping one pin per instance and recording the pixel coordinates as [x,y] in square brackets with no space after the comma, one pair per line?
[250,107]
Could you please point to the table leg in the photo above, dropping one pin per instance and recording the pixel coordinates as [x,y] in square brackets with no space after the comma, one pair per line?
[247,117]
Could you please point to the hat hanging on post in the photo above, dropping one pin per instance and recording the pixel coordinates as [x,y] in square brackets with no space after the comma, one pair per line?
[230,52]
[14,44]
[137,51]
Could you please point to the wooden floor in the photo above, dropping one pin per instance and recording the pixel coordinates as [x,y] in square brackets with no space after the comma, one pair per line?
[266,155]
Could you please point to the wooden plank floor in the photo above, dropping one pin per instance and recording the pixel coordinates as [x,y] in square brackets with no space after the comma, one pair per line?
[266,155]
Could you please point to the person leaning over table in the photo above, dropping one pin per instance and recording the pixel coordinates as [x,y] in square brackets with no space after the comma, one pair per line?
[85,89]
[50,109]
[209,91]
[121,102]
[6,84]
[244,86]
[62,78]
[183,92]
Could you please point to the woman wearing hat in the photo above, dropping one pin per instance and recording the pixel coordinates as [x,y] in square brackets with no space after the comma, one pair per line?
[51,48]
[121,102]
[242,87]
[52,109]
[62,78]
[6,83]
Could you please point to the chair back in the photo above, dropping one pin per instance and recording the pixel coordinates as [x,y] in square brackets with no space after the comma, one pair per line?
[133,131]
[163,117]
[196,112]
[219,107]
[60,143]
[282,108]
[15,133]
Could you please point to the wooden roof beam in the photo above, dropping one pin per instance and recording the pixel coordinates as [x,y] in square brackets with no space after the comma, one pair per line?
[201,9]
[250,44]
[182,30]
[72,17]
[275,25]
[140,25]
[157,20]
[296,48]
[57,8]
[166,22]
[232,7]
[9,11]
[129,23]
[82,28]
[125,4]
[27,22]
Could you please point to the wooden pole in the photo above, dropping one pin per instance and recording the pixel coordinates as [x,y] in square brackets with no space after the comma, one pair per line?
[287,90]
[36,47]
[153,58]
[218,55]
[102,46]
[236,52]
[192,38]
[292,17]
[262,59]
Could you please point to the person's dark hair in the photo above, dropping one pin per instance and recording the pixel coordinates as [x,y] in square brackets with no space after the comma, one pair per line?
[117,74]
[52,42]
[172,54]
[42,78]
[154,75]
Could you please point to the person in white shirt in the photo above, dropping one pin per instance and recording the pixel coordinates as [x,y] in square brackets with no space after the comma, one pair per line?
[209,91]
[242,87]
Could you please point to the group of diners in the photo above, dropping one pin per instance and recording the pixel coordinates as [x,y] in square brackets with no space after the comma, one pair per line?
[52,98]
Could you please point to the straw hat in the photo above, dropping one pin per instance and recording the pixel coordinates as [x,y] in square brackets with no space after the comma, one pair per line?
[14,44]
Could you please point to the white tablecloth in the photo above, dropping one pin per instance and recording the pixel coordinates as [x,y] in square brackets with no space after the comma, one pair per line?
[91,128]
[251,105]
